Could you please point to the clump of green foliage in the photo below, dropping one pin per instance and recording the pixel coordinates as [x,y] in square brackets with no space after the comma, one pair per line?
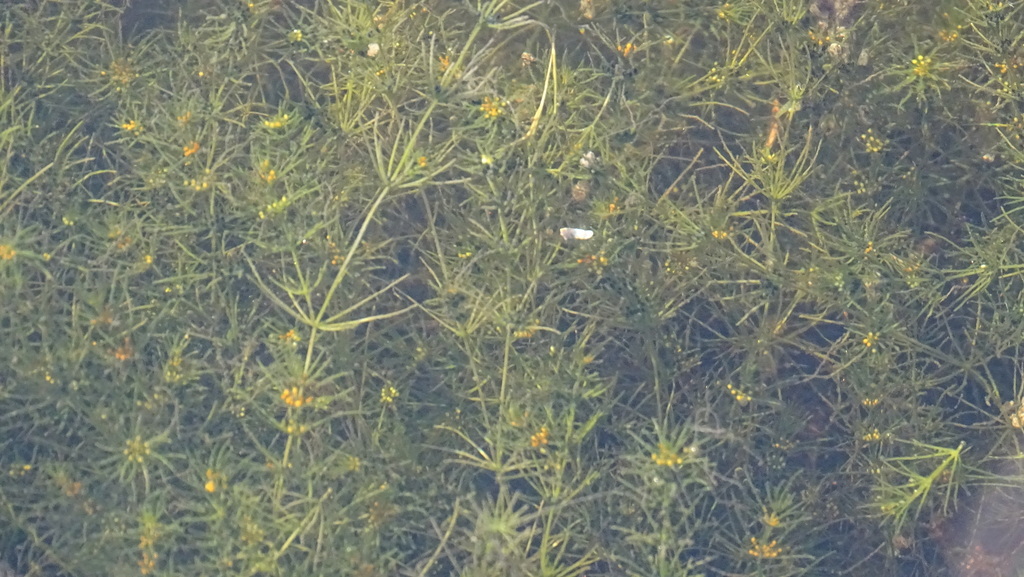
[282,289]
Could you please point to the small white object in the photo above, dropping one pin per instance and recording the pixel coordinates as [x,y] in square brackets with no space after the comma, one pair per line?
[575,233]
[373,50]
[588,160]
[862,60]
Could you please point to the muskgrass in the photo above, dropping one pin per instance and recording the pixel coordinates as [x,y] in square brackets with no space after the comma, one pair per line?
[282,288]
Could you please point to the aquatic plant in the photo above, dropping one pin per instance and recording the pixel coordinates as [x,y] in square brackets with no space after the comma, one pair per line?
[285,287]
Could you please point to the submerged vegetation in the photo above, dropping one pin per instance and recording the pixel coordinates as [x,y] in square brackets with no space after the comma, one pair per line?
[282,288]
